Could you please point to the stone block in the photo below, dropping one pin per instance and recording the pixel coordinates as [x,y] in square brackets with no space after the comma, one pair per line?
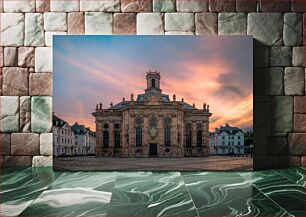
[136,5]
[55,21]
[232,23]
[9,114]
[260,146]
[163,5]
[280,56]
[262,119]
[100,5]
[303,161]
[1,56]
[222,5]
[272,6]
[124,23]
[179,33]
[26,56]
[206,23]
[15,81]
[297,5]
[298,56]
[274,81]
[42,5]
[296,143]
[1,81]
[261,56]
[42,161]
[34,30]
[46,144]
[10,56]
[12,29]
[293,29]
[282,117]
[179,22]
[246,5]
[64,6]
[19,6]
[299,124]
[43,59]
[49,37]
[289,161]
[294,81]
[76,23]
[299,104]
[265,162]
[40,84]
[150,24]
[259,81]
[98,23]
[278,146]
[5,144]
[18,161]
[41,114]
[266,28]
[191,5]
[25,144]
[25,114]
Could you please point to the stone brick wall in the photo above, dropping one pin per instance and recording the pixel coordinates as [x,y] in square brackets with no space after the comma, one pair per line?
[27,27]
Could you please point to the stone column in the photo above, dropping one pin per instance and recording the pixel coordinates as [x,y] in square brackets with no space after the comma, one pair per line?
[98,138]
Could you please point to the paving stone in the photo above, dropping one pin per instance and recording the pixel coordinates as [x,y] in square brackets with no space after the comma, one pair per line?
[206,23]
[191,5]
[293,29]
[298,56]
[43,59]
[266,28]
[232,23]
[5,144]
[46,144]
[136,5]
[261,56]
[34,30]
[9,113]
[26,56]
[25,114]
[297,6]
[100,5]
[272,6]
[179,22]
[299,104]
[274,81]
[65,6]
[17,161]
[19,6]
[76,23]
[49,37]
[163,5]
[282,117]
[40,84]
[278,145]
[42,5]
[246,5]
[222,5]
[42,161]
[1,56]
[98,23]
[294,81]
[10,56]
[55,21]
[12,29]
[15,81]
[296,143]
[124,23]
[150,24]
[25,144]
[178,33]
[41,114]
[280,56]
[299,123]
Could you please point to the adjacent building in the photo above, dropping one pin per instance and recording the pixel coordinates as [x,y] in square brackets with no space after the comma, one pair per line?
[226,140]
[84,140]
[152,125]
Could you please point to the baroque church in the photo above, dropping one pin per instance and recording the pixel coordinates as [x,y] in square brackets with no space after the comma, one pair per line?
[152,125]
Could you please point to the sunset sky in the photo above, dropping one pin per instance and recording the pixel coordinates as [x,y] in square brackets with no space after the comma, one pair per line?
[217,70]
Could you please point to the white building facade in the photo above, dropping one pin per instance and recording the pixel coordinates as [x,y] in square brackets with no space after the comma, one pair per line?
[84,140]
[226,140]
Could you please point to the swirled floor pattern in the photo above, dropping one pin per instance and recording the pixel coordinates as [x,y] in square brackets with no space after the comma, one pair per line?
[43,192]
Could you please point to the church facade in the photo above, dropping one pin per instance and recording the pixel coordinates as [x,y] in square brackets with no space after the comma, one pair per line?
[152,125]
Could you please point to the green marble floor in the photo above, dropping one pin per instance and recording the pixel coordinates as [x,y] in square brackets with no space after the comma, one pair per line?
[43,192]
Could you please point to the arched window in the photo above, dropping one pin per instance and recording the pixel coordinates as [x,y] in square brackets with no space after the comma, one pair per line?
[167,136]
[138,136]
[188,135]
[105,139]
[153,83]
[117,139]
[199,139]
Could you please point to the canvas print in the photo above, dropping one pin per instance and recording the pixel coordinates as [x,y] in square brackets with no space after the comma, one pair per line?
[153,102]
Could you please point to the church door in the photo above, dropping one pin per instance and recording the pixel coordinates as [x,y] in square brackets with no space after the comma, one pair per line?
[153,150]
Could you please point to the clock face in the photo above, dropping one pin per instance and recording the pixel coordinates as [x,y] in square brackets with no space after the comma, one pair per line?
[153,132]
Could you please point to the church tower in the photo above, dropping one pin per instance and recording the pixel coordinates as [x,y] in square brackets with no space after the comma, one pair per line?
[153,82]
